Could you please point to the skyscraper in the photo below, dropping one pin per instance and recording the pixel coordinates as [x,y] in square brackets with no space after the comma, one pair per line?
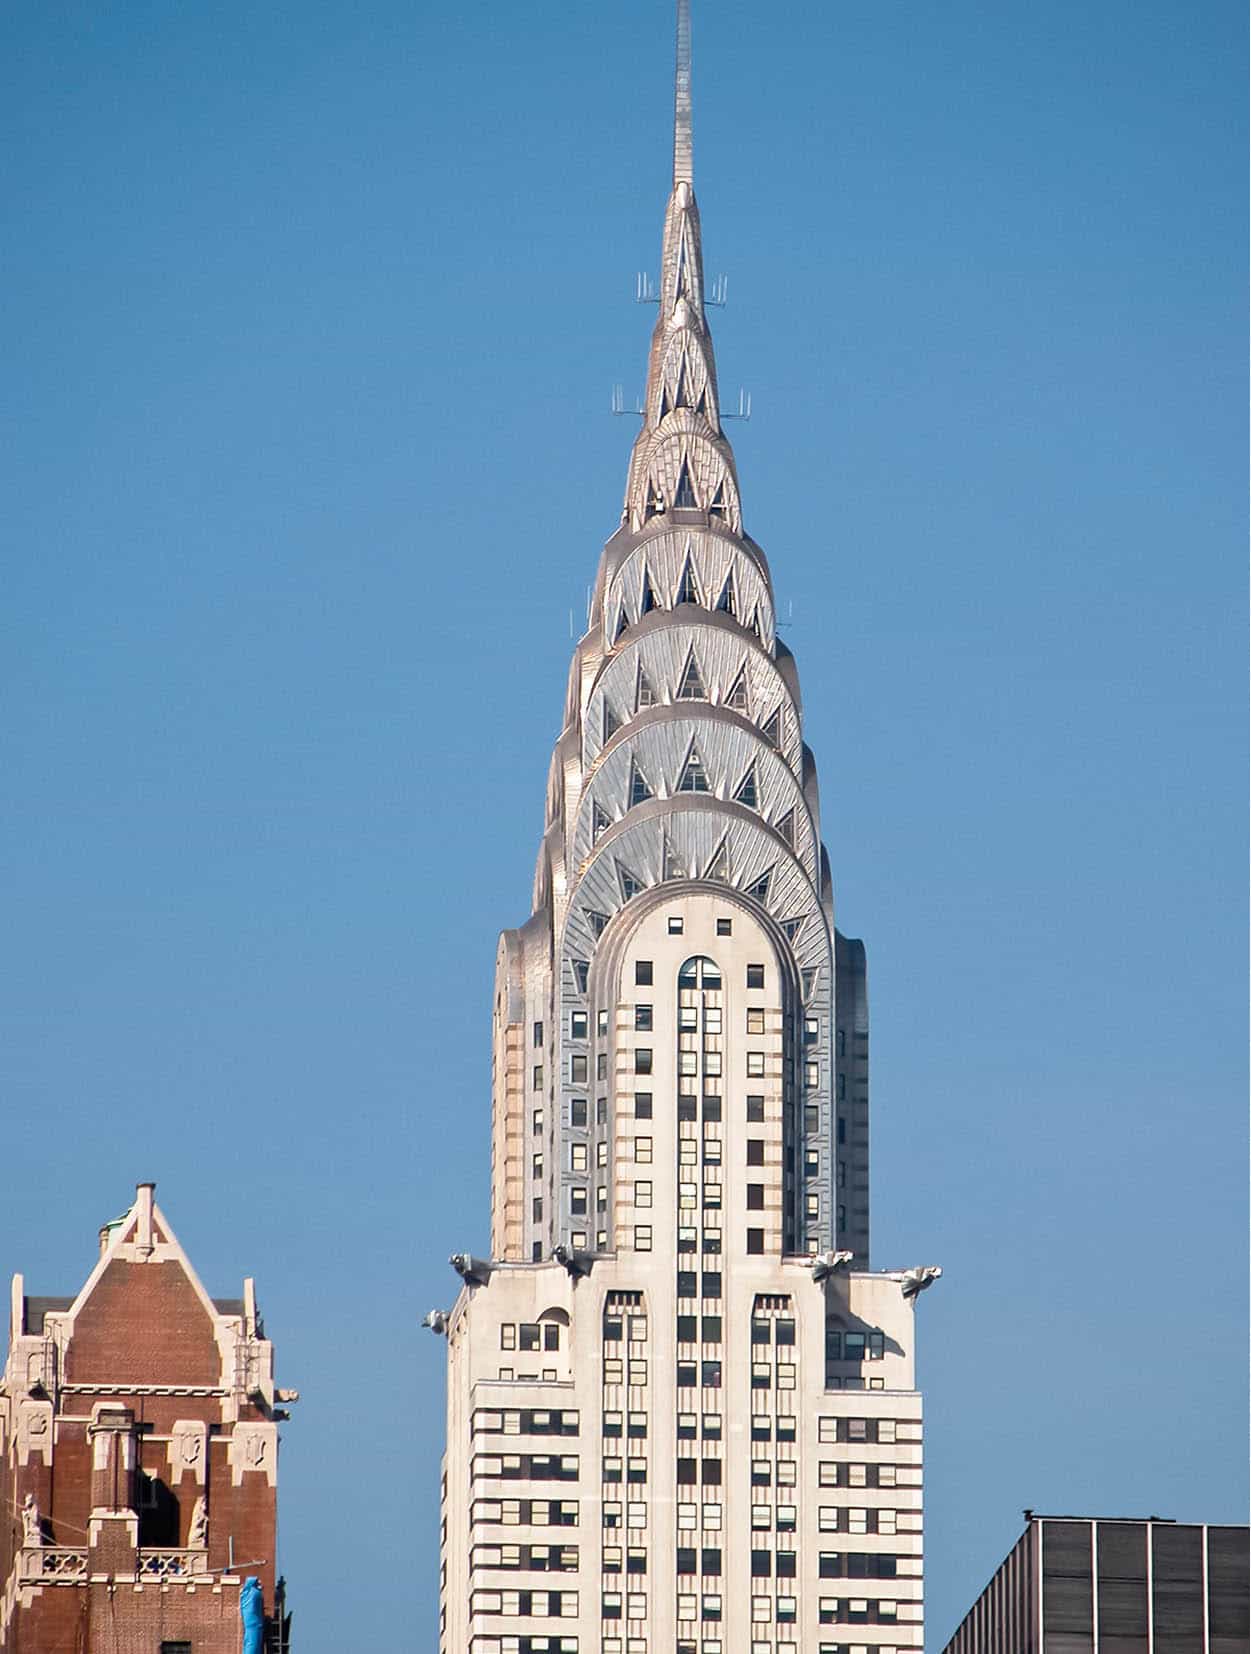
[682,1416]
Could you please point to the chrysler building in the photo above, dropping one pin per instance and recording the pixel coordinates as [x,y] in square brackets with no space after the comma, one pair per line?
[682,1415]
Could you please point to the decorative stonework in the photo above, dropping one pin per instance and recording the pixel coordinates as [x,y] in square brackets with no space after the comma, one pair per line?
[188,1451]
[253,1448]
[34,1431]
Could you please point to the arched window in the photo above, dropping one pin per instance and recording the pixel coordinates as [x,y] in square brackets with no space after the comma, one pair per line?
[700,972]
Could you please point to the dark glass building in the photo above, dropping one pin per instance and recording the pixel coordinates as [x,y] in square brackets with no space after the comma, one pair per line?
[1087,1585]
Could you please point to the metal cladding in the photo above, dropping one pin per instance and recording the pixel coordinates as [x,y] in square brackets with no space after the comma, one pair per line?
[681,763]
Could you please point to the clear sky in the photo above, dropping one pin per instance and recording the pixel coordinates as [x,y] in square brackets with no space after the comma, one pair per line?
[312,313]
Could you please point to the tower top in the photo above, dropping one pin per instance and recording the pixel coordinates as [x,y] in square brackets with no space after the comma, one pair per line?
[683,165]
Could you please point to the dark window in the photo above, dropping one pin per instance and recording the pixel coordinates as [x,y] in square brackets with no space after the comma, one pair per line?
[712,1283]
[761,1429]
[686,1474]
[175,1648]
[642,1060]
[686,1283]
[642,1105]
[755,976]
[711,1472]
[577,1111]
[643,1018]
[686,1329]
[761,1564]
[761,1330]
[686,1375]
[686,1559]
[724,926]
[712,1107]
[755,1197]
[536,1252]
[755,1151]
[710,1561]
[755,1109]
[712,1241]
[784,1331]
[686,1108]
[710,1376]
[786,1565]
[538,1034]
[711,1330]
[643,973]
[842,1129]
[755,1241]
[551,1335]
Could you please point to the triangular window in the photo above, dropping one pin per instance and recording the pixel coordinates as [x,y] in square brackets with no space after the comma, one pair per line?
[719,866]
[681,399]
[640,791]
[771,729]
[664,403]
[601,821]
[702,405]
[672,867]
[688,591]
[727,603]
[737,698]
[655,502]
[684,499]
[746,792]
[623,620]
[694,777]
[760,890]
[610,724]
[647,602]
[691,687]
[581,970]
[755,625]
[645,695]
[786,827]
[716,506]
[792,928]
[809,982]
[597,922]
[630,886]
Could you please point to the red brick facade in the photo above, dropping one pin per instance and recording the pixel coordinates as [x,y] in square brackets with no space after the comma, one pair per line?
[138,1450]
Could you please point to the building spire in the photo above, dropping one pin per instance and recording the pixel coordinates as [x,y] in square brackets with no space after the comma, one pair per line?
[683,165]
[681,459]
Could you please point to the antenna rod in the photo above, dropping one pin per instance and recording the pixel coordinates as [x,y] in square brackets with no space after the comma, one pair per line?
[683,164]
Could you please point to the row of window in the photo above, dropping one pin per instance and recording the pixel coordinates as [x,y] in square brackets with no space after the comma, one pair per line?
[530,1335]
[552,1559]
[535,1467]
[525,1421]
[527,1645]
[522,1513]
[557,1605]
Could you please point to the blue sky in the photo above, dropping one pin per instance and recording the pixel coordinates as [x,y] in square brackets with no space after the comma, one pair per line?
[312,315]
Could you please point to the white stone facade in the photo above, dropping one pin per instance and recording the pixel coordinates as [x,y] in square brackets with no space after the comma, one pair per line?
[682,1414]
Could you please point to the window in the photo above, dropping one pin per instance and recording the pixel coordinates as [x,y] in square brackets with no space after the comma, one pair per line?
[710,1375]
[577,1157]
[642,1237]
[643,1151]
[642,1060]
[755,1109]
[642,1105]
[755,1197]
[755,1241]
[755,1065]
[643,973]
[675,925]
[724,927]
[712,1283]
[643,1018]
[755,1020]
[711,1329]
[577,1111]
[175,1648]
[761,1564]
[755,976]
[601,1066]
[538,1035]
[578,1069]
[577,1024]
[686,1283]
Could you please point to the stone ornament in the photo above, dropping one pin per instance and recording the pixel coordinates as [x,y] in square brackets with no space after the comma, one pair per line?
[253,1448]
[32,1522]
[188,1450]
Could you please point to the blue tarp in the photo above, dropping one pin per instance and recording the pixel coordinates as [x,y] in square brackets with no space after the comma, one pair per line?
[252,1613]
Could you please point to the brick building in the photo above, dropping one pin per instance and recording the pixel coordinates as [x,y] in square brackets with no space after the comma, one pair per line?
[138,1447]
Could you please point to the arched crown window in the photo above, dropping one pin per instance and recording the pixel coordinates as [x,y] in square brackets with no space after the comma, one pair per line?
[700,972]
